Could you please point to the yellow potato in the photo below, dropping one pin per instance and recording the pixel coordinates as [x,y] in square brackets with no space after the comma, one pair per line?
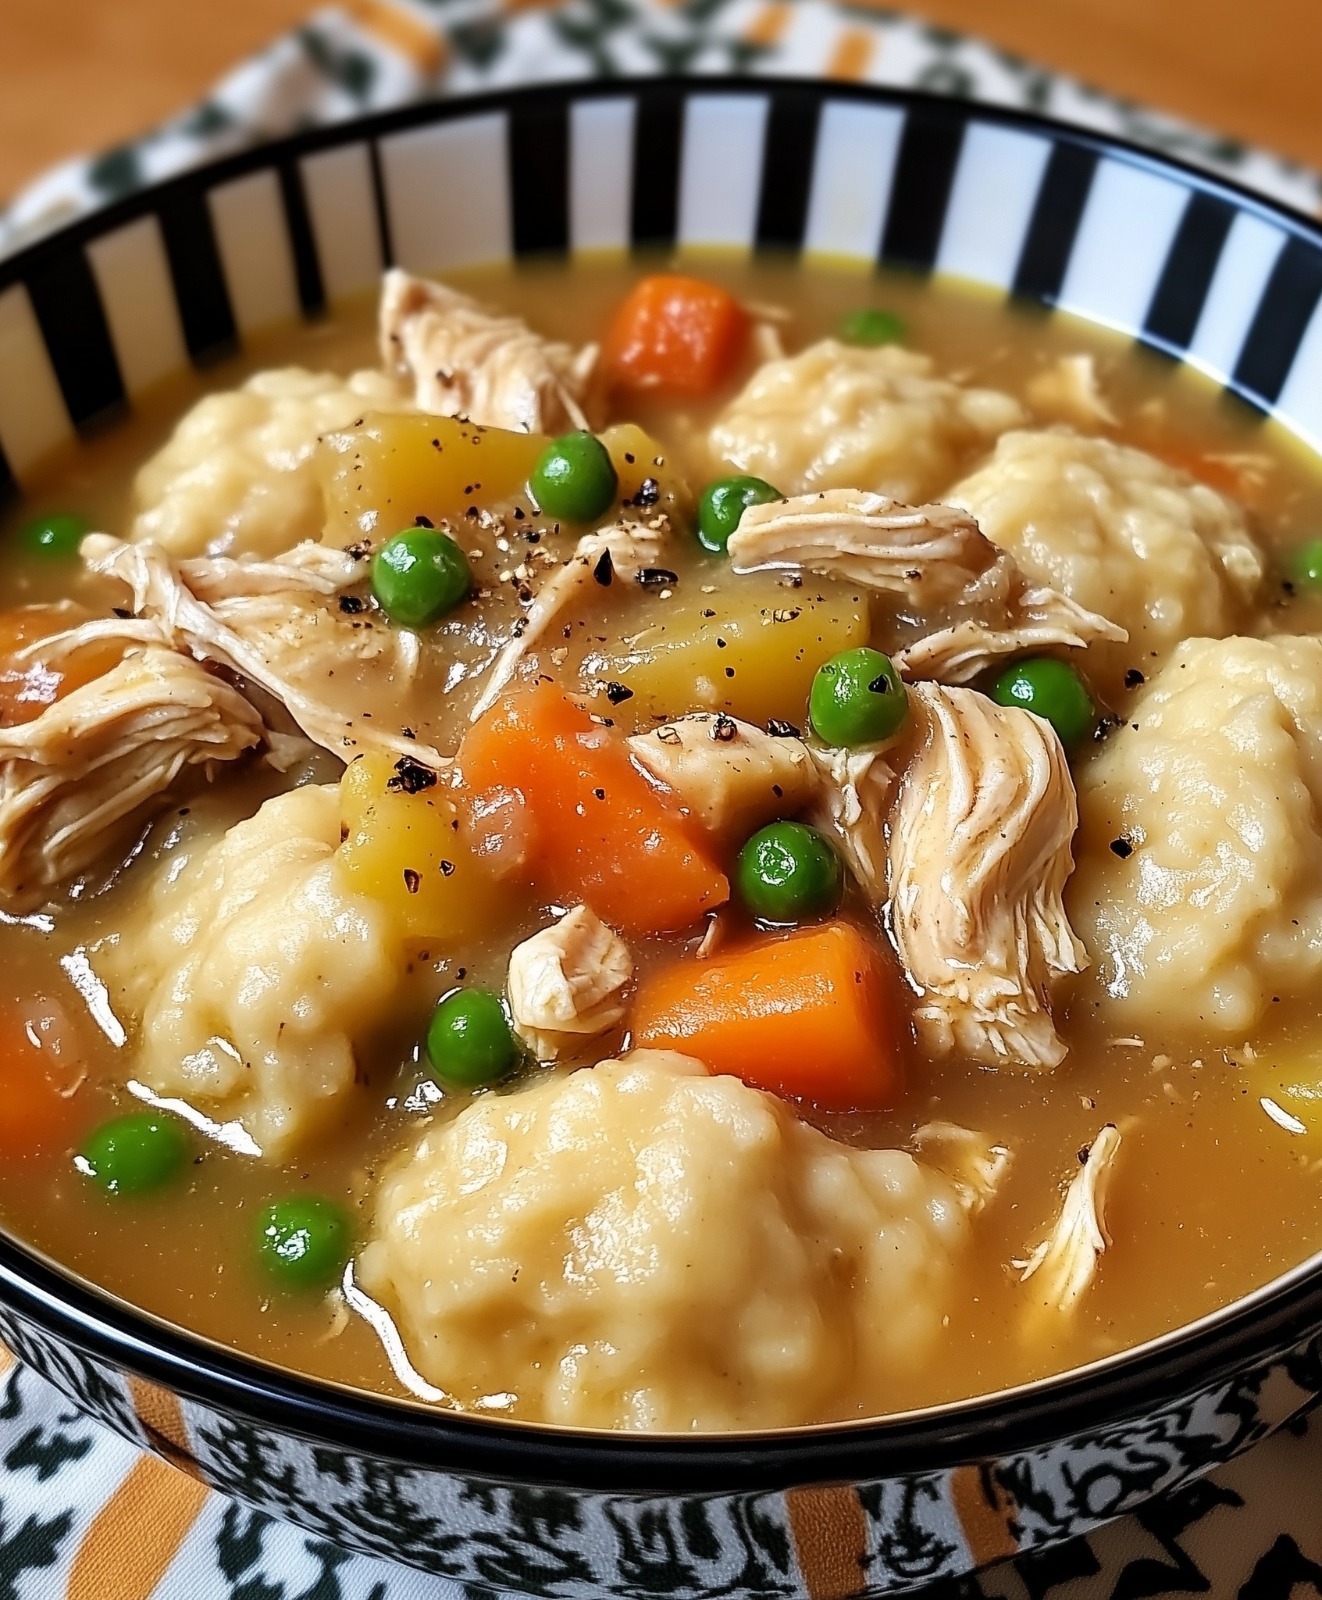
[639,458]
[387,471]
[410,852]
[749,650]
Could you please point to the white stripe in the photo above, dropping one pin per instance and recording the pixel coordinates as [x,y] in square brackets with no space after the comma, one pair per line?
[852,175]
[1247,258]
[1123,240]
[721,169]
[601,136]
[33,417]
[132,273]
[1300,404]
[991,203]
[253,239]
[447,194]
[342,211]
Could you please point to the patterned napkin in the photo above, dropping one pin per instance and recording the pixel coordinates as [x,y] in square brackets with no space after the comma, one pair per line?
[83,1514]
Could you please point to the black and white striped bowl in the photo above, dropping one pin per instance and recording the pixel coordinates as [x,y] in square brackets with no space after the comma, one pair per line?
[187,272]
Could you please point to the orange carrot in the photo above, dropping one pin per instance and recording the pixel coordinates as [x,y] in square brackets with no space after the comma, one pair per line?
[40,1066]
[28,684]
[554,797]
[808,1015]
[676,335]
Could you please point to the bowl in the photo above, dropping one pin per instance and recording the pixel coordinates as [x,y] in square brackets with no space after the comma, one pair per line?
[189,270]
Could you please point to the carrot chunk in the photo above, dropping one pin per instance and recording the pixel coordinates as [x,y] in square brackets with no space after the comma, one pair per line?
[676,335]
[555,798]
[808,1015]
[41,1063]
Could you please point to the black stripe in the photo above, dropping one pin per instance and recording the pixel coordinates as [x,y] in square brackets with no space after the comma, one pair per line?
[73,324]
[199,280]
[1178,300]
[8,483]
[1283,313]
[539,177]
[302,241]
[924,172]
[657,138]
[383,233]
[1056,213]
[788,155]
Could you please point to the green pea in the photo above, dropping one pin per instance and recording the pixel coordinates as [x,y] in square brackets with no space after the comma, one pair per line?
[1303,566]
[857,698]
[134,1153]
[723,503]
[871,326]
[419,575]
[1053,690]
[304,1241]
[56,536]
[574,479]
[787,872]
[470,1041]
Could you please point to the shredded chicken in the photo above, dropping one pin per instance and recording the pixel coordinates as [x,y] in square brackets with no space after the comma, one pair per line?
[268,621]
[105,754]
[1065,1262]
[1033,619]
[979,855]
[1069,390]
[466,361]
[977,1165]
[853,795]
[599,560]
[567,983]
[731,776]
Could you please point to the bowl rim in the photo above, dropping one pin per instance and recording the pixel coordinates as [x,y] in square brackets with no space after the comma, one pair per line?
[1156,1374]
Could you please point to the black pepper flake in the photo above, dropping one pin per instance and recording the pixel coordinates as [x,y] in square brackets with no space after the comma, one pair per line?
[729,672]
[649,492]
[618,693]
[408,733]
[359,550]
[122,612]
[1133,678]
[1122,848]
[600,793]
[411,880]
[472,513]
[657,577]
[723,729]
[447,869]
[881,684]
[351,605]
[777,791]
[518,513]
[780,729]
[629,457]
[410,777]
[669,736]
[423,522]
[1105,726]
[720,643]
[604,571]
[708,612]
[1082,1154]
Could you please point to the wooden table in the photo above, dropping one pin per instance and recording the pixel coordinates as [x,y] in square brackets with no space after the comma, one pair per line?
[80,74]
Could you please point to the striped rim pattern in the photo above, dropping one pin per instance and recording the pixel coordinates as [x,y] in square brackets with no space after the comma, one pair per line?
[188,271]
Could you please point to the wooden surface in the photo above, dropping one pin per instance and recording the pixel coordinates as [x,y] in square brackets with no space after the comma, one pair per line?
[82,74]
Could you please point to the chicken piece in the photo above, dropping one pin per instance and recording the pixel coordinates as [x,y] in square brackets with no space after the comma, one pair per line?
[731,776]
[1065,1262]
[253,972]
[853,796]
[465,361]
[1068,390]
[979,854]
[599,559]
[566,984]
[270,622]
[934,559]
[967,1157]
[75,779]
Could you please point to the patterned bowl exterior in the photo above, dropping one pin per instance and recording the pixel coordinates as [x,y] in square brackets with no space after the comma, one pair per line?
[191,269]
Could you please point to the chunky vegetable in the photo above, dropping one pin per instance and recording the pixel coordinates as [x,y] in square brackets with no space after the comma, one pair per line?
[675,335]
[650,482]
[419,575]
[304,1241]
[29,683]
[722,504]
[41,1062]
[1051,689]
[562,804]
[872,326]
[574,479]
[134,1153]
[470,1042]
[56,536]
[389,470]
[808,1015]
[787,872]
[857,698]
[1303,566]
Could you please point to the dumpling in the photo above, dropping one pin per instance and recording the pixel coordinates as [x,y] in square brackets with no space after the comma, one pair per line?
[1198,891]
[252,971]
[839,416]
[1122,534]
[641,1245]
[237,475]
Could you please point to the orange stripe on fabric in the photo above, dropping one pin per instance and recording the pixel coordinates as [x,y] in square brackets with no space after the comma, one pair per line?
[852,54]
[985,1513]
[162,1420]
[768,25]
[7,1359]
[830,1539]
[136,1534]
[401,30]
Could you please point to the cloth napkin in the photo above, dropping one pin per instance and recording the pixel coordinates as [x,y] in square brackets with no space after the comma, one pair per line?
[85,1515]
